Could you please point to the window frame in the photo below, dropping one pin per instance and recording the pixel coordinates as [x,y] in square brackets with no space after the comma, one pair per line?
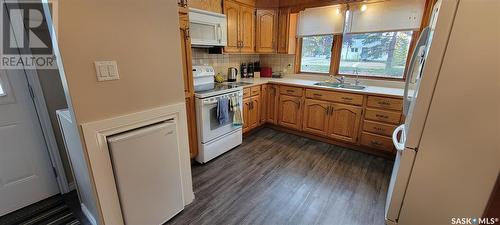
[336,54]
[298,56]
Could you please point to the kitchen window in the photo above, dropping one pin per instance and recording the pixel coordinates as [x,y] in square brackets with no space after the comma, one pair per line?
[316,54]
[382,54]
[370,40]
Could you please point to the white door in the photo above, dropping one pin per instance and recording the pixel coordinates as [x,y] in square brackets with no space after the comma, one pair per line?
[26,174]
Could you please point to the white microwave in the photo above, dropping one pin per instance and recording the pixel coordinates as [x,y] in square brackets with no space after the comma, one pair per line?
[207,29]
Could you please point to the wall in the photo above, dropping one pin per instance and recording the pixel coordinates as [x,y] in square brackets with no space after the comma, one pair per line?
[281,62]
[139,36]
[143,37]
[221,62]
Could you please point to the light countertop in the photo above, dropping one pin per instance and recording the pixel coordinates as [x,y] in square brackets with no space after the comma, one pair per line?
[370,89]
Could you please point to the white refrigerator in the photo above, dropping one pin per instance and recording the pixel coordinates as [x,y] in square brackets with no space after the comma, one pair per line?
[448,61]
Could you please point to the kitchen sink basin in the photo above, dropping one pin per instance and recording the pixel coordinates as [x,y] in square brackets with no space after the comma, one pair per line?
[341,85]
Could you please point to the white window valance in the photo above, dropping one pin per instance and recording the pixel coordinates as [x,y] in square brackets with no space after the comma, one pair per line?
[386,16]
[321,21]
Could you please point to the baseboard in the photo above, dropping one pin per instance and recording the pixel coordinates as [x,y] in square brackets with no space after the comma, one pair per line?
[72,186]
[367,150]
[87,214]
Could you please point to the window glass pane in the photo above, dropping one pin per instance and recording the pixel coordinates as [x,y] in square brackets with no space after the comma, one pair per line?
[316,54]
[381,54]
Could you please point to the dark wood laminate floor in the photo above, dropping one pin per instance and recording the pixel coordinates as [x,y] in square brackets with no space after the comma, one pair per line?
[279,178]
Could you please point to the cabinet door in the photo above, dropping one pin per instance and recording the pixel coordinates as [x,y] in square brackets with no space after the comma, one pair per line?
[186,54]
[263,103]
[290,111]
[246,114]
[232,12]
[254,115]
[316,116]
[208,5]
[272,104]
[192,132]
[266,31]
[247,29]
[344,122]
[283,30]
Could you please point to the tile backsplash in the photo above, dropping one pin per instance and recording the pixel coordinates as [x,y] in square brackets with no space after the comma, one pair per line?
[279,62]
[221,62]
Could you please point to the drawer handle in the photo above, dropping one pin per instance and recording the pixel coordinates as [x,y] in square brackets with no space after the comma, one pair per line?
[381,116]
[347,98]
[318,95]
[384,103]
[379,128]
[375,143]
[290,91]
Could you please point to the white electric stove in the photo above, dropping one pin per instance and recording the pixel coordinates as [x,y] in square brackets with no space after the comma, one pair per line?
[214,138]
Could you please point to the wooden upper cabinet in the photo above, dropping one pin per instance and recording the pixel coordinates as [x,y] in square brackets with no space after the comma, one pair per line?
[232,12]
[208,5]
[247,29]
[283,29]
[266,30]
[316,117]
[240,27]
[186,54]
[344,122]
[290,111]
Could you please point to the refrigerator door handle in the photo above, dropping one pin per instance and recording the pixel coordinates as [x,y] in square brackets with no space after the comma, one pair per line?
[422,41]
[399,144]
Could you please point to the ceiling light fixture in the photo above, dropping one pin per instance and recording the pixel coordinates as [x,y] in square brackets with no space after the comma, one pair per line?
[364,7]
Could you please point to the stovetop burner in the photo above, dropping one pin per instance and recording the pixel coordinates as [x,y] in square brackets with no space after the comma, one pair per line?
[213,89]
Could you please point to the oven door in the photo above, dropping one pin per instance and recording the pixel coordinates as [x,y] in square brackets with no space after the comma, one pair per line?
[208,124]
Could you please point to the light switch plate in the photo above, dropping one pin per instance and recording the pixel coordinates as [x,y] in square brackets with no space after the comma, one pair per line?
[106,70]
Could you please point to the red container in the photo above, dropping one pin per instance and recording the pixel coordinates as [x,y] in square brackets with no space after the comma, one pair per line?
[266,72]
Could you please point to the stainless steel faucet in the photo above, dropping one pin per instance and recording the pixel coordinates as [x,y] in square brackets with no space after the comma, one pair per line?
[356,82]
[341,79]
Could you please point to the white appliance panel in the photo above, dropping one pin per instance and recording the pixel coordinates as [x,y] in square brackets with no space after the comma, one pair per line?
[208,125]
[146,165]
[440,27]
[422,80]
[207,28]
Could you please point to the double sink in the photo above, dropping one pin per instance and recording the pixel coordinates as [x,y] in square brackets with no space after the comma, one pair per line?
[341,85]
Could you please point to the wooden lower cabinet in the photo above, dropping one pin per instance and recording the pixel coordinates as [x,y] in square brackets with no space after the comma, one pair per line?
[271,109]
[290,112]
[263,102]
[336,121]
[344,122]
[251,113]
[192,132]
[316,116]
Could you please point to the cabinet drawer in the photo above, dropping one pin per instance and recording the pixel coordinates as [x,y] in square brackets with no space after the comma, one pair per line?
[377,142]
[255,90]
[385,103]
[246,92]
[293,91]
[383,116]
[347,98]
[378,128]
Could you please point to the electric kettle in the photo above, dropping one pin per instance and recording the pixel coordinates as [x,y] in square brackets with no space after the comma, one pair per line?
[232,73]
